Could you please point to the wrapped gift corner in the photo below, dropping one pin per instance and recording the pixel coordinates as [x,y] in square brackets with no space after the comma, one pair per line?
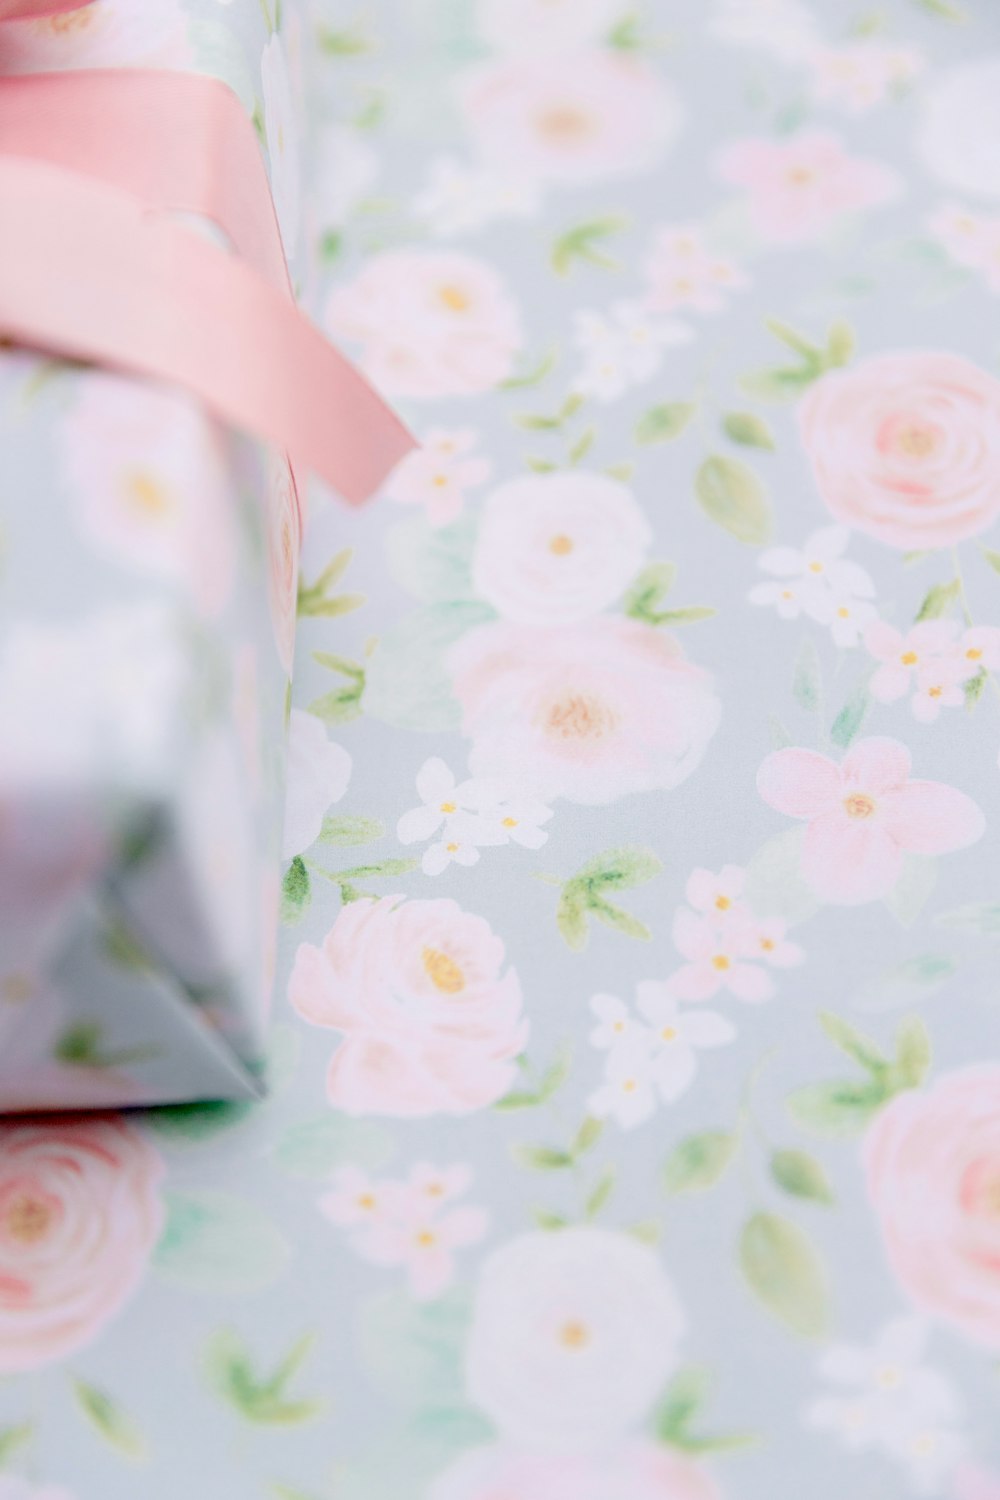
[147,609]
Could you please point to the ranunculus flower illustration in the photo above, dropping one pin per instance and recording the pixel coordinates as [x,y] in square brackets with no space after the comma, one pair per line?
[80,1213]
[431,1020]
[638,1470]
[129,451]
[932,1160]
[430,322]
[576,116]
[588,712]
[799,186]
[573,1337]
[906,446]
[864,815]
[555,548]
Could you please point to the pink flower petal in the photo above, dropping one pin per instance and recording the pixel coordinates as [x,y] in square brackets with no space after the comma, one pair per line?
[850,860]
[883,640]
[800,783]
[747,982]
[928,817]
[698,981]
[877,765]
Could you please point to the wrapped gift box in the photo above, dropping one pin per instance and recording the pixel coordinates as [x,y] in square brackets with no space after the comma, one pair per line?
[147,613]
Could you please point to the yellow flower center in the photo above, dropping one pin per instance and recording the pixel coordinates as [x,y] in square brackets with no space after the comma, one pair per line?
[27,1219]
[721,962]
[859,805]
[367,1201]
[578,716]
[629,1086]
[915,440]
[668,1034]
[440,481]
[935,692]
[15,989]
[509,822]
[145,495]
[888,1377]
[564,122]
[574,1335]
[973,654]
[454,298]
[443,971]
[447,807]
[451,848]
[561,545]
[909,658]
[767,944]
[800,176]
[843,613]
[815,567]
[722,903]
[426,1238]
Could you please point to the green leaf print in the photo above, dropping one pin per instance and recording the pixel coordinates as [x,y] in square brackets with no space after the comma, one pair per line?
[746,428]
[533,376]
[585,895]
[315,1148]
[13,1438]
[345,832]
[263,1400]
[698,1162]
[847,725]
[217,1243]
[731,495]
[342,703]
[939,600]
[801,1175]
[541,1158]
[787,382]
[683,1404]
[296,892]
[846,1106]
[784,1270]
[908,983]
[582,242]
[413,1352]
[600,1194]
[549,1084]
[650,587]
[993,558]
[661,424]
[913,889]
[807,683]
[108,1418]
[433,563]
[981,916]
[317,598]
[409,685]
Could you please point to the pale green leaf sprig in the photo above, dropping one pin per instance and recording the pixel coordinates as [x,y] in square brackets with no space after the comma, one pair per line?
[261,1399]
[338,832]
[109,1420]
[342,703]
[319,599]
[643,598]
[586,894]
[846,1106]
[584,242]
[677,1421]
[788,382]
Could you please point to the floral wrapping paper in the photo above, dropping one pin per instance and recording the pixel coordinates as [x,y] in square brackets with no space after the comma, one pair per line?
[147,618]
[634,1121]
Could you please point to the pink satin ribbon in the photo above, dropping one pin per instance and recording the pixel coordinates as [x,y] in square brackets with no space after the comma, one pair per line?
[93,266]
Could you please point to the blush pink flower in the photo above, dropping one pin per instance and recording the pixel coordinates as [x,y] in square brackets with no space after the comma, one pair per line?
[864,815]
[284,538]
[906,446]
[932,1161]
[149,484]
[799,186]
[589,712]
[719,954]
[431,1022]
[438,474]
[430,323]
[80,1213]
[638,1470]
[903,657]
[715,895]
[573,117]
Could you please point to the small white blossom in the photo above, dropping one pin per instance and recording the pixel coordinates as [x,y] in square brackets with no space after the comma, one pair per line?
[468,815]
[621,348]
[459,199]
[818,581]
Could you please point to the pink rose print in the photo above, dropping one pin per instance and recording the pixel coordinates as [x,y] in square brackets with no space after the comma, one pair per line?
[105,34]
[681,271]
[639,1470]
[932,1161]
[438,474]
[430,323]
[80,1213]
[284,538]
[906,446]
[589,712]
[407,1223]
[574,117]
[864,815]
[431,1022]
[801,185]
[148,480]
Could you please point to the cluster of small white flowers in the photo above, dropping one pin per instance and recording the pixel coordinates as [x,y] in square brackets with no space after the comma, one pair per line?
[818,581]
[459,199]
[858,76]
[462,817]
[889,1400]
[438,474]
[683,271]
[621,348]
[971,239]
[652,1055]
[934,662]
